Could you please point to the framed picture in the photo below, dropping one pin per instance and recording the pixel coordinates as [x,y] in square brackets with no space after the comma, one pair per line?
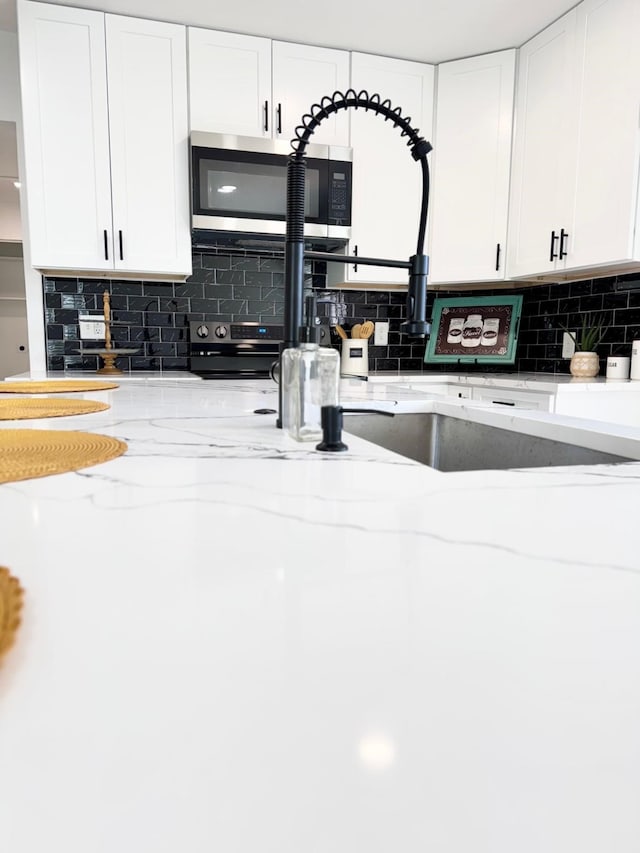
[474,330]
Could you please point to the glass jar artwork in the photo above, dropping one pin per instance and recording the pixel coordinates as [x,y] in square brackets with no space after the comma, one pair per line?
[454,333]
[490,331]
[472,330]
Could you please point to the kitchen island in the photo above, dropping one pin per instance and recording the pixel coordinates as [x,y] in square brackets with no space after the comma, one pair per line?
[232,642]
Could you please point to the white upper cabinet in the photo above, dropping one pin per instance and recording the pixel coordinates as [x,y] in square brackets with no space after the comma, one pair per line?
[147,80]
[229,83]
[302,76]
[104,103]
[545,141]
[253,86]
[387,181]
[66,136]
[574,203]
[472,158]
[604,213]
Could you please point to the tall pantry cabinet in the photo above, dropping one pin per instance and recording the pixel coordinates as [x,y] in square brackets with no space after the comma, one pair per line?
[104,101]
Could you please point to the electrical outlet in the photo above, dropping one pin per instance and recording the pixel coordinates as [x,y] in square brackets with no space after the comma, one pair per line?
[91,328]
[381,334]
[568,345]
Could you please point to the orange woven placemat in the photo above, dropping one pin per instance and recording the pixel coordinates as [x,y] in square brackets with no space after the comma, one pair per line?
[28,453]
[11,595]
[55,386]
[30,407]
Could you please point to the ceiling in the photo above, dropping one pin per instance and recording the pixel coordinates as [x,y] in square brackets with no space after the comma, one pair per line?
[425,30]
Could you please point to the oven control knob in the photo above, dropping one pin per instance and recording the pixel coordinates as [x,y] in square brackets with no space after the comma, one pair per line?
[221,332]
[202,331]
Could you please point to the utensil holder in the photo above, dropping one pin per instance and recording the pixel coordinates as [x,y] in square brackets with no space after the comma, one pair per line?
[355,357]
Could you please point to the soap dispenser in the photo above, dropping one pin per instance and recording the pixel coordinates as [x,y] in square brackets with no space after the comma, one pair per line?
[310,379]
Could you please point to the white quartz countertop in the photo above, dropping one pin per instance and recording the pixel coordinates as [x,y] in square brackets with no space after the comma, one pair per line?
[232,642]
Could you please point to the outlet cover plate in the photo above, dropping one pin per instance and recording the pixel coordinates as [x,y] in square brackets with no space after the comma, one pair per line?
[568,346]
[90,329]
[381,334]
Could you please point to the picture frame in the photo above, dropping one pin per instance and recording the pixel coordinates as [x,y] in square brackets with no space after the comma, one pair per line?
[474,330]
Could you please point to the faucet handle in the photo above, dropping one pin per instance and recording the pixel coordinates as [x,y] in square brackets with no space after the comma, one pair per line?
[331,421]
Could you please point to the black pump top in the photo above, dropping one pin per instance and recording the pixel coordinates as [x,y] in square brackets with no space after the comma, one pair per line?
[309,333]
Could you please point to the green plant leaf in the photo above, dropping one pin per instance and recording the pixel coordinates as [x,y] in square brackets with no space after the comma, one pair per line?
[590,335]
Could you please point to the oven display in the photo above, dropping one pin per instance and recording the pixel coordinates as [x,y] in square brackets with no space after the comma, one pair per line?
[241,332]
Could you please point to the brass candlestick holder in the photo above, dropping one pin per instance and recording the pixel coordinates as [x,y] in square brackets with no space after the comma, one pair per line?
[110,353]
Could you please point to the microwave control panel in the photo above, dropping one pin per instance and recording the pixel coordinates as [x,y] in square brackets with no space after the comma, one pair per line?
[339,206]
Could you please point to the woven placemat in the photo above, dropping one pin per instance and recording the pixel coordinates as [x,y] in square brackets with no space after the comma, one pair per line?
[30,407]
[27,453]
[55,386]
[11,595]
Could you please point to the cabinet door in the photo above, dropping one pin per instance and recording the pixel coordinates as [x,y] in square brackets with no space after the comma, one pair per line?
[543,178]
[147,72]
[66,136]
[472,158]
[229,83]
[302,76]
[387,181]
[601,229]
[515,399]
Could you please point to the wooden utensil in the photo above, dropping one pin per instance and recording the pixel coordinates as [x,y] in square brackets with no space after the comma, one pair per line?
[355,331]
[341,332]
[366,330]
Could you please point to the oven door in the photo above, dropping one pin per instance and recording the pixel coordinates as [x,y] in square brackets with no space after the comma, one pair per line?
[241,186]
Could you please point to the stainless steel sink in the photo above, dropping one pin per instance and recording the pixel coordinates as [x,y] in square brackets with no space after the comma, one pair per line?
[454,444]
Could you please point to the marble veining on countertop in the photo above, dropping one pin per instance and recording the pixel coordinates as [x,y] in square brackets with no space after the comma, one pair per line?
[233,642]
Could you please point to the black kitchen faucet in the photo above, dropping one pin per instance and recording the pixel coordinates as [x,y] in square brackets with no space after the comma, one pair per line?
[418,265]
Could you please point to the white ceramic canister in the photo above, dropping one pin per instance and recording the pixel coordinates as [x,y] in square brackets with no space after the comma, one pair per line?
[635,360]
[618,367]
[355,357]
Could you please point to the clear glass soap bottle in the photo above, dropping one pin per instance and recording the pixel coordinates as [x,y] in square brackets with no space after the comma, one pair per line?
[310,379]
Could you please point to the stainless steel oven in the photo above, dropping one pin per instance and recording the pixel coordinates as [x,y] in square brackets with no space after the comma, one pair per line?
[239,184]
[233,350]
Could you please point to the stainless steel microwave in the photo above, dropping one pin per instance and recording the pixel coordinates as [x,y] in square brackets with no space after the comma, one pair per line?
[239,184]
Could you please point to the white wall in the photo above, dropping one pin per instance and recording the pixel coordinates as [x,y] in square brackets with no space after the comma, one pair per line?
[10,111]
[9,79]
[11,278]
[10,221]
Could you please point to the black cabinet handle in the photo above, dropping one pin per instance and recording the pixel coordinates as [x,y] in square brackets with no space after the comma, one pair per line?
[502,403]
[120,245]
[497,257]
[552,253]
[106,245]
[355,252]
[563,236]
[279,115]
[266,116]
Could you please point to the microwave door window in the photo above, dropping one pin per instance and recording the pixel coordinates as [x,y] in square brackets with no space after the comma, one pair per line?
[252,190]
[243,189]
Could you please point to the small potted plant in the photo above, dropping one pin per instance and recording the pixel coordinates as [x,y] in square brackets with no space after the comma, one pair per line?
[585,361]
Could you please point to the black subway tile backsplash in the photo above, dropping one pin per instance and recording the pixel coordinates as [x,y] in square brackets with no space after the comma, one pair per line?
[230,285]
